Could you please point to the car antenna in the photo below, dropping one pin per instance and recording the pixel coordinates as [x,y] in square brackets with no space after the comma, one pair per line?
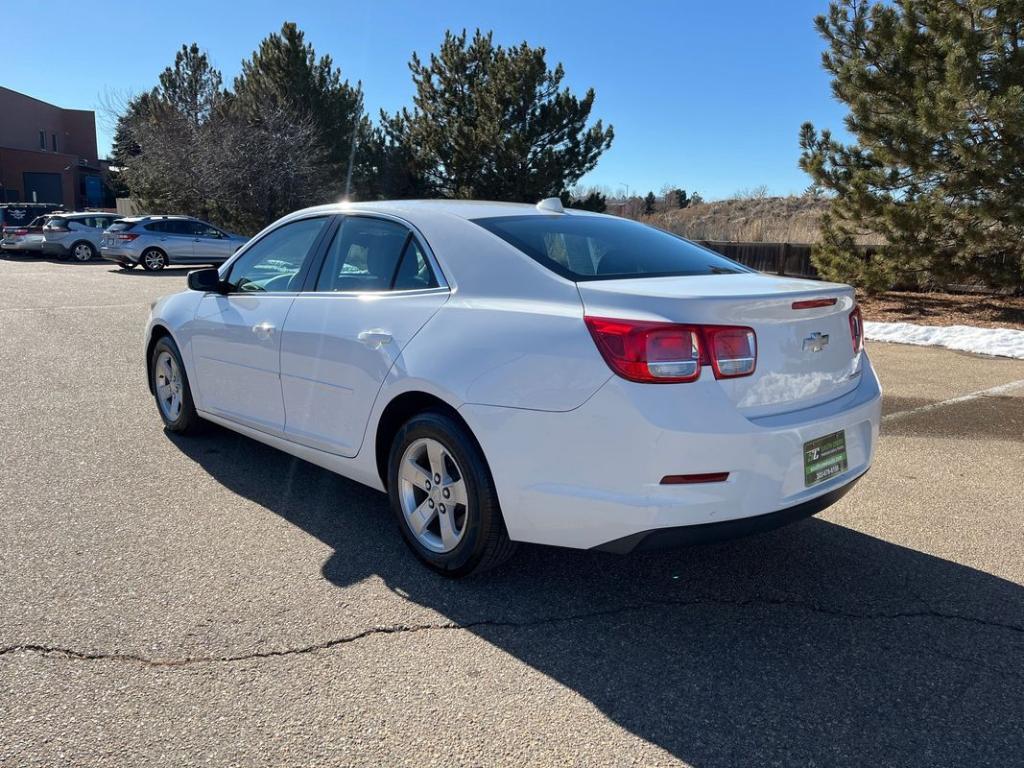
[550,205]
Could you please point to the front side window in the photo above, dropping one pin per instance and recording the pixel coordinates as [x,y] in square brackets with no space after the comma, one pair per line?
[366,255]
[274,263]
[605,247]
[202,229]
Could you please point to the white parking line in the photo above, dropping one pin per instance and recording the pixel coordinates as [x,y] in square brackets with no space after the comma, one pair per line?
[1000,390]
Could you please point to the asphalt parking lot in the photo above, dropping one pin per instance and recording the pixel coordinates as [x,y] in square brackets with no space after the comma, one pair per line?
[169,601]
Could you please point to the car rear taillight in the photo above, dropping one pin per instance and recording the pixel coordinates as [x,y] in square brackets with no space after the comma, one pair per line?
[126,237]
[648,352]
[670,353]
[733,350]
[857,330]
[21,232]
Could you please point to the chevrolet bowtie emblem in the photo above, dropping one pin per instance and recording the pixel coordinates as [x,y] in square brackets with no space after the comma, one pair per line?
[816,342]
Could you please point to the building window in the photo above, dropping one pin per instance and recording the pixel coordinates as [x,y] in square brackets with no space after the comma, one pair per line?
[42,139]
[53,136]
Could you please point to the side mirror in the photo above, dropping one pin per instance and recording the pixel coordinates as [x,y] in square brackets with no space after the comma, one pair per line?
[205,280]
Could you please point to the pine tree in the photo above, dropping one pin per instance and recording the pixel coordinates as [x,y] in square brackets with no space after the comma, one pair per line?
[935,90]
[285,73]
[649,203]
[495,123]
[681,200]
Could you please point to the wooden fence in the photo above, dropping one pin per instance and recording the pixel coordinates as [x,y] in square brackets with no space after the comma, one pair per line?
[793,259]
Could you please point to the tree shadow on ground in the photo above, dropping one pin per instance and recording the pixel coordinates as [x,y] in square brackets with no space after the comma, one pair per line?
[814,644]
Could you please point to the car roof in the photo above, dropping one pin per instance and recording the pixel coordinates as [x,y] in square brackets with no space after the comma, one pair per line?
[158,217]
[464,209]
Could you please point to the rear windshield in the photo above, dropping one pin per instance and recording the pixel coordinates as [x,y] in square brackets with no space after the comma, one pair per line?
[120,226]
[604,247]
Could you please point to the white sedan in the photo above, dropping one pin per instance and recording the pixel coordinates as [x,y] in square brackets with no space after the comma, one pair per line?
[512,373]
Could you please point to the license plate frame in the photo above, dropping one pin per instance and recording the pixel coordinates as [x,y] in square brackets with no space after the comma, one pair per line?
[825,457]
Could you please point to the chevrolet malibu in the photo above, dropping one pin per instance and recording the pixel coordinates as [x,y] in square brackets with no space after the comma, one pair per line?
[516,373]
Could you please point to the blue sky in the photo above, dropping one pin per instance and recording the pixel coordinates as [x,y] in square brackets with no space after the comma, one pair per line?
[707,96]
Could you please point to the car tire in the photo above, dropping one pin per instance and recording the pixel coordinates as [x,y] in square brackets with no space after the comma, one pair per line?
[153,260]
[465,532]
[169,383]
[83,251]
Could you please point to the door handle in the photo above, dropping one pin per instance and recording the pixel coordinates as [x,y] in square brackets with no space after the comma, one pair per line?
[375,339]
[263,330]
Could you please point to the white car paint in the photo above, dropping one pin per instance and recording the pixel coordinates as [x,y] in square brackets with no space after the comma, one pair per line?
[577,453]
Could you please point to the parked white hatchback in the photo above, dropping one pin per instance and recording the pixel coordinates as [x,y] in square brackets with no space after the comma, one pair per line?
[522,373]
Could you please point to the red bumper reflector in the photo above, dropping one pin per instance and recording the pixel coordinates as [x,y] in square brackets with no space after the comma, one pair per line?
[707,477]
[812,303]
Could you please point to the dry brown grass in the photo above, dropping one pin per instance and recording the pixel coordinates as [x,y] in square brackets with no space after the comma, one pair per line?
[757,220]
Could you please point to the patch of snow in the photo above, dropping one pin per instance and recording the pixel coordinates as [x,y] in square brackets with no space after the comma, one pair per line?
[1002,342]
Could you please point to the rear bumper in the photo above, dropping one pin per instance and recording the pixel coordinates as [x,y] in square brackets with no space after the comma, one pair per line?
[118,256]
[708,533]
[591,477]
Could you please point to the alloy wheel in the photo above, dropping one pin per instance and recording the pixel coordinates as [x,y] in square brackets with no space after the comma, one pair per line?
[433,495]
[167,379]
[153,260]
[82,252]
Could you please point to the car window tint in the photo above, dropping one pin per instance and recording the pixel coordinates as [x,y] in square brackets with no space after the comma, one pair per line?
[414,273]
[273,263]
[605,247]
[205,230]
[363,255]
[179,227]
[156,226]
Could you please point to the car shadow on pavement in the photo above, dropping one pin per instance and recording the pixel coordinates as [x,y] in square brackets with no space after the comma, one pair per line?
[179,272]
[814,644]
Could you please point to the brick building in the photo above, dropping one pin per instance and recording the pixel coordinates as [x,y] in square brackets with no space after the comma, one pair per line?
[48,154]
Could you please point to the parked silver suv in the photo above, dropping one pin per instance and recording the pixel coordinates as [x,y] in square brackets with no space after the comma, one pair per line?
[156,241]
[75,234]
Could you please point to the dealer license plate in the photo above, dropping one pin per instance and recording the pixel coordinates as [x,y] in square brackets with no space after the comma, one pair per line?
[824,457]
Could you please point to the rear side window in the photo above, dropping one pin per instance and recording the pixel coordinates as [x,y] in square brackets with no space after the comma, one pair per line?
[365,256]
[604,247]
[178,227]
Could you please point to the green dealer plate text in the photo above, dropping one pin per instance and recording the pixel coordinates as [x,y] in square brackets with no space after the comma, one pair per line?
[824,457]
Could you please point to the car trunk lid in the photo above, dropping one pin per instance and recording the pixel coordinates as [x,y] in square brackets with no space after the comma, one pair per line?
[805,352]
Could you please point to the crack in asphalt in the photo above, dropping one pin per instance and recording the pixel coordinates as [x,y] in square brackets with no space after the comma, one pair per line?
[926,613]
